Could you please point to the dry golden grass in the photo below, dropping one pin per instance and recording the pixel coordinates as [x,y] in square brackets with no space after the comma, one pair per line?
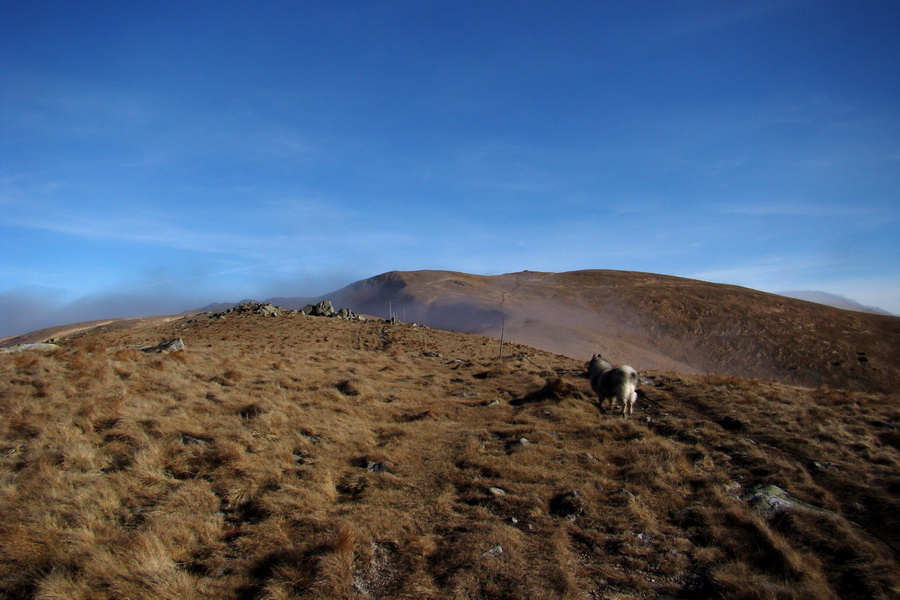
[301,457]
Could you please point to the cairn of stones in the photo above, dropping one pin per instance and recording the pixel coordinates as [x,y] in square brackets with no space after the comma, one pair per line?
[323,309]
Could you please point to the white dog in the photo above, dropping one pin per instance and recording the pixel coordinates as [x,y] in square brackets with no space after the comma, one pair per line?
[619,384]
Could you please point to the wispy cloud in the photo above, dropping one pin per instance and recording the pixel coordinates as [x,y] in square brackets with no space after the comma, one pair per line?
[208,276]
[246,236]
[135,230]
[790,208]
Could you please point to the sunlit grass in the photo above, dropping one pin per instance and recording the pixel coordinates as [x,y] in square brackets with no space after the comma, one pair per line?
[305,457]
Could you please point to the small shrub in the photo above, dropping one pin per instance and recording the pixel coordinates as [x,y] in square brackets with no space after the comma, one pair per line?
[127,355]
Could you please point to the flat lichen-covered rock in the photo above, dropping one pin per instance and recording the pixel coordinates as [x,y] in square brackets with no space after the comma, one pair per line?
[33,346]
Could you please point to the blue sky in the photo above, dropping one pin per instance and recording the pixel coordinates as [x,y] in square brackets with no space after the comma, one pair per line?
[157,156]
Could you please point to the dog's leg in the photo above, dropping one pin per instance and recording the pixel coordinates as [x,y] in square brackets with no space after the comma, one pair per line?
[632,398]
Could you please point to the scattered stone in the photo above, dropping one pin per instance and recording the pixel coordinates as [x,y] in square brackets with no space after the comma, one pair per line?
[495,491]
[643,538]
[495,551]
[771,501]
[567,504]
[322,309]
[270,310]
[433,354]
[190,439]
[344,313]
[733,488]
[492,403]
[326,309]
[251,308]
[384,466]
[173,345]
[519,444]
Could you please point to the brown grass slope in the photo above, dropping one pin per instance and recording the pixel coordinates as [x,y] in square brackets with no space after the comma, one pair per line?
[59,331]
[297,457]
[658,321]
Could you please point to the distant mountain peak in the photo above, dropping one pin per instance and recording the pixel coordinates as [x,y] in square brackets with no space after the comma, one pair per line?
[834,300]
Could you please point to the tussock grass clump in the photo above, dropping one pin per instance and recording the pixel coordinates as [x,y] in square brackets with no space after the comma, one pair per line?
[354,387]
[127,355]
[309,458]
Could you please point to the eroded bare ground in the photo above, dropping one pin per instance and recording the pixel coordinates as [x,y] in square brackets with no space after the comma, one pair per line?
[298,457]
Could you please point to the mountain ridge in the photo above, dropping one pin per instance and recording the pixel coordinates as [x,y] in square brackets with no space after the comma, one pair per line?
[649,320]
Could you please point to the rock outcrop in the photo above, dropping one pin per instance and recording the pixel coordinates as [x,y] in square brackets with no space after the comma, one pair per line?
[254,308]
[173,345]
[326,309]
[23,347]
[323,309]
[771,500]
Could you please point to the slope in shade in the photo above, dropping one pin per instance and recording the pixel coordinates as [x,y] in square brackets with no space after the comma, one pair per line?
[650,321]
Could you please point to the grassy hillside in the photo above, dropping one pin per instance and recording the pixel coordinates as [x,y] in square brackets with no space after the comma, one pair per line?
[656,321]
[299,457]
